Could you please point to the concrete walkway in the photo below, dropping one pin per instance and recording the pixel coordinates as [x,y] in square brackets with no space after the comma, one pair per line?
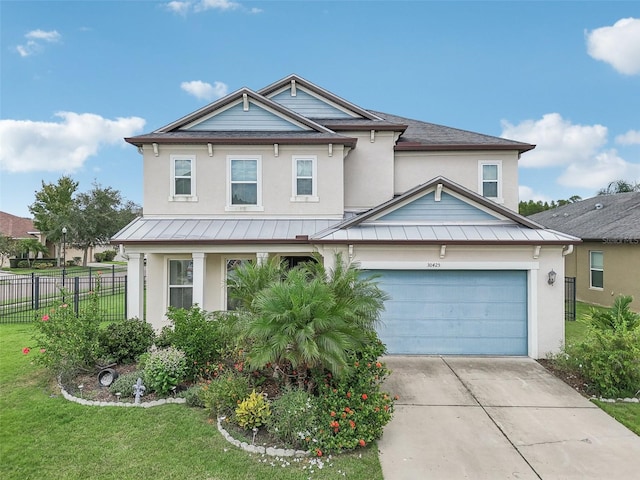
[497,418]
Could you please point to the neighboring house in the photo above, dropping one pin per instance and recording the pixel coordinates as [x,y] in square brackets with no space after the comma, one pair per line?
[18,228]
[293,169]
[607,263]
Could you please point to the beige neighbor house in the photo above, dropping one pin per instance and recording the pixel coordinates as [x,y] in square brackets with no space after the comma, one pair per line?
[19,228]
[607,263]
[292,169]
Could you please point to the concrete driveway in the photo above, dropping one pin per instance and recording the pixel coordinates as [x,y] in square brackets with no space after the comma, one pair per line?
[497,418]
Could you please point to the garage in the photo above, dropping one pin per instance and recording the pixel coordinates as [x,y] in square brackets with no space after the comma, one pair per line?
[454,312]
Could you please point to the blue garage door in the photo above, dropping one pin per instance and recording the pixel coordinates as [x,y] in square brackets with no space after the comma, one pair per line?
[454,312]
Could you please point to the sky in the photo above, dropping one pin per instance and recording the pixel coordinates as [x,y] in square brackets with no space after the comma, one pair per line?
[78,76]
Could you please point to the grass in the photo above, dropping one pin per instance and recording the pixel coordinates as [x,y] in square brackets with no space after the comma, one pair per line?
[46,437]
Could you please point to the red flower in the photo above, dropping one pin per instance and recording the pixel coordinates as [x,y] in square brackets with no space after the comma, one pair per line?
[45,318]
[364,396]
[348,394]
[333,414]
[318,452]
[357,364]
[42,350]
[378,365]
[362,443]
[352,424]
[26,350]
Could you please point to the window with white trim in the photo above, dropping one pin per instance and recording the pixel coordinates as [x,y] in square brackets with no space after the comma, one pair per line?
[181,283]
[490,180]
[183,185]
[304,178]
[244,188]
[596,269]
[232,264]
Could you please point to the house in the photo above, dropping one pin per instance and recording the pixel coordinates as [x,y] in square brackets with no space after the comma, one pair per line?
[607,263]
[292,169]
[18,228]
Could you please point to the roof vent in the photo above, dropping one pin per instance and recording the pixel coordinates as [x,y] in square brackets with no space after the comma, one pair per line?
[599,206]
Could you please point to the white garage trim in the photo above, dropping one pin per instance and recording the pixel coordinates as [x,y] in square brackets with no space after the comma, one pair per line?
[440,265]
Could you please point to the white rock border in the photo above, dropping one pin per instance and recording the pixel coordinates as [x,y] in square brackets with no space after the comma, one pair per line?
[95,403]
[272,451]
[617,400]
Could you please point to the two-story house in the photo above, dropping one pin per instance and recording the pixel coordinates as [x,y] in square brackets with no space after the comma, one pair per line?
[293,169]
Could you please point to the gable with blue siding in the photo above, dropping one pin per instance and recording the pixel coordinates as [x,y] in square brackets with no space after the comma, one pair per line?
[309,106]
[448,209]
[255,119]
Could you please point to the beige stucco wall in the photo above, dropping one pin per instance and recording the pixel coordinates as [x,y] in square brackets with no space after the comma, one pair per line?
[621,272]
[368,170]
[414,168]
[211,181]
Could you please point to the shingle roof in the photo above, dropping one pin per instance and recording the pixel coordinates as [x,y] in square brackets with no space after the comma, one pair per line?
[15,227]
[614,217]
[240,137]
[430,136]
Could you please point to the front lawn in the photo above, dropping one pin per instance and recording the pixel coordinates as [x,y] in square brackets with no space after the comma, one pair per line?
[44,436]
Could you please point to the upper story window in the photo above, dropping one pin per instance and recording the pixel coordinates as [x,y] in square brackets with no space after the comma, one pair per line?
[490,180]
[245,189]
[304,179]
[596,269]
[183,185]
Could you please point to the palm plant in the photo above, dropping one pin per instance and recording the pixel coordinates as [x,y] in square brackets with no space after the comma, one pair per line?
[248,278]
[618,317]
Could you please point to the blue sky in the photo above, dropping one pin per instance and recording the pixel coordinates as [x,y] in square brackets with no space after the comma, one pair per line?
[78,76]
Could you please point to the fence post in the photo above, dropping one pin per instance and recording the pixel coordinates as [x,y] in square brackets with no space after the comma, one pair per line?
[113,279]
[36,291]
[126,289]
[76,294]
[33,287]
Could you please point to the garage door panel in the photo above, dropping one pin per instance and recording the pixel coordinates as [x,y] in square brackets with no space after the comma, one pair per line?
[454,312]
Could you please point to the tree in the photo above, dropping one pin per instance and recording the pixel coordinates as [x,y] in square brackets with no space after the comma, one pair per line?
[8,247]
[53,207]
[97,215]
[620,186]
[531,207]
[29,246]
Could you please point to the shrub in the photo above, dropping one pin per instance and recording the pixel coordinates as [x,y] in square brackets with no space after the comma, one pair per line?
[610,360]
[222,394]
[124,341]
[253,411]
[193,396]
[109,255]
[353,409]
[619,316]
[98,257]
[164,369]
[124,383]
[164,338]
[69,342]
[294,418]
[198,334]
[24,264]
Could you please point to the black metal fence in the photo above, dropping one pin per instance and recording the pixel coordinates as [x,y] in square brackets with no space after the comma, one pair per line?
[24,298]
[569,298]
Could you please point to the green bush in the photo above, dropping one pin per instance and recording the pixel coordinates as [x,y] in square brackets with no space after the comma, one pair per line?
[124,383]
[164,338]
[163,369]
[69,342]
[24,264]
[123,341]
[199,335]
[222,394]
[294,418]
[353,409]
[98,257]
[193,396]
[609,360]
[253,411]
[109,255]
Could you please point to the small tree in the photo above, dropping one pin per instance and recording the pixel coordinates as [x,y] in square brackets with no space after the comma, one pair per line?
[31,246]
[8,248]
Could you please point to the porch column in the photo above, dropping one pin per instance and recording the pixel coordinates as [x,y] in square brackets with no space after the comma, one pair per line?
[262,257]
[135,286]
[199,274]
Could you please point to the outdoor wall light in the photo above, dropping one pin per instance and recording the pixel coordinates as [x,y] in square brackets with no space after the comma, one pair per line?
[551,277]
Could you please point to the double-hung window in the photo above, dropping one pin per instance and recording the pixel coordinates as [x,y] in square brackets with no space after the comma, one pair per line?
[245,190]
[181,283]
[490,179]
[183,186]
[596,269]
[304,178]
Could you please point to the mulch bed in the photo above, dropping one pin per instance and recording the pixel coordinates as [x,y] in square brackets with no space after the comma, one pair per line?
[574,380]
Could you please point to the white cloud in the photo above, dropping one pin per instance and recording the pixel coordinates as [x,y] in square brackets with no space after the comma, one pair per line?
[30,146]
[632,137]
[599,171]
[617,45]
[34,41]
[527,193]
[558,141]
[182,7]
[204,90]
